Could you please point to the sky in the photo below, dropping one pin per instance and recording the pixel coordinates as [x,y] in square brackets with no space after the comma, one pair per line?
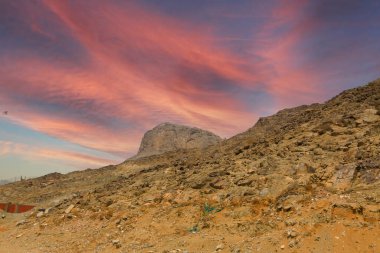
[82,80]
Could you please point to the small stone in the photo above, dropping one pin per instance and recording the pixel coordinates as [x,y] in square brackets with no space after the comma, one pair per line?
[292,243]
[40,214]
[290,222]
[282,247]
[219,247]
[244,182]
[18,236]
[68,210]
[21,222]
[287,208]
[3,216]
[116,243]
[264,192]
[292,233]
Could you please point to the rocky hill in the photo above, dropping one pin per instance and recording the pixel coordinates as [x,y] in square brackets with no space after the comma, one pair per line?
[170,137]
[306,179]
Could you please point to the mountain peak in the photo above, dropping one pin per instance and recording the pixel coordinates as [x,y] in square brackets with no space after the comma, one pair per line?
[170,137]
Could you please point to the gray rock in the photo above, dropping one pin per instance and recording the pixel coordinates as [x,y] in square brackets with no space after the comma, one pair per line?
[344,175]
[169,137]
[116,243]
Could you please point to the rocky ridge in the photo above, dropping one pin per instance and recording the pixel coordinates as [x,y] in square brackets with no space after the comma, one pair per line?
[303,180]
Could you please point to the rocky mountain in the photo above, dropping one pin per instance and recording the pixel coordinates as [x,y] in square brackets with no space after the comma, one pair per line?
[306,179]
[170,137]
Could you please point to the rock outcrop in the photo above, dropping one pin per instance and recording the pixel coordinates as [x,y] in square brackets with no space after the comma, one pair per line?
[170,137]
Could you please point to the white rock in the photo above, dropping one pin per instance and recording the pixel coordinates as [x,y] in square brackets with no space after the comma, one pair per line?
[21,222]
[219,247]
[68,210]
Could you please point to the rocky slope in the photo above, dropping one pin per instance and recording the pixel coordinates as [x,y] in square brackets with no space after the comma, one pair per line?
[303,180]
[170,137]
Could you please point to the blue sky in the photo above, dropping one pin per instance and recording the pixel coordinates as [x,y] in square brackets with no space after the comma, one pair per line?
[83,80]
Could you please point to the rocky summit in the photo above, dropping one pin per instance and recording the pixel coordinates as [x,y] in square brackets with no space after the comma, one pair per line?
[171,137]
[306,179]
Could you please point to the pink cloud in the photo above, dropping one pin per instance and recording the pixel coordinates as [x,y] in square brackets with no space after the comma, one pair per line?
[142,68]
[308,50]
[34,153]
[121,89]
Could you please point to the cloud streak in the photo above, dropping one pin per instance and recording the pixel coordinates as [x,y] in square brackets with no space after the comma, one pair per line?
[100,74]
[9,148]
[140,78]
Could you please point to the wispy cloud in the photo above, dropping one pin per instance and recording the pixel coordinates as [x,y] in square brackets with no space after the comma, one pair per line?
[99,74]
[136,76]
[32,153]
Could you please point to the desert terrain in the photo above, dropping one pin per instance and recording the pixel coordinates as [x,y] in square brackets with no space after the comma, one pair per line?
[306,179]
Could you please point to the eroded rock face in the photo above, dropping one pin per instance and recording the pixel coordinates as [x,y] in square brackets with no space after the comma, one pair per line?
[169,137]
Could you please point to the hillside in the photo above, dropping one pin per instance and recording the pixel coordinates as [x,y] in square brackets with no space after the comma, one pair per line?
[306,179]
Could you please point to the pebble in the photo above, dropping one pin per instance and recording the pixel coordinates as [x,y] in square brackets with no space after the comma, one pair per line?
[282,247]
[219,247]
[292,233]
[116,243]
[287,208]
[21,222]
[264,192]
[292,243]
[68,210]
[40,214]
[290,222]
